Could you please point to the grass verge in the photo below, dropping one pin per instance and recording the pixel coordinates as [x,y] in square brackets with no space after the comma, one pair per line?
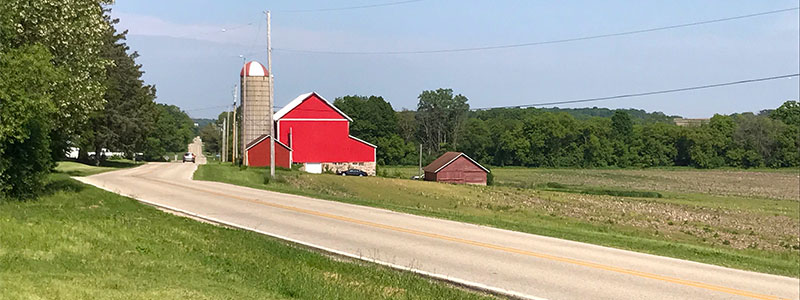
[79,242]
[73,168]
[746,233]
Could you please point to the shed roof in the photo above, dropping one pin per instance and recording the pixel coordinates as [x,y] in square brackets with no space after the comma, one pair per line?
[447,159]
[260,139]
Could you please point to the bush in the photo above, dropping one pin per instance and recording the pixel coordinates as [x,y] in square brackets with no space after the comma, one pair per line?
[26,76]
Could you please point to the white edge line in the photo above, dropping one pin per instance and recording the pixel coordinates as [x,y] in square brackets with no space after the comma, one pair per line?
[454,280]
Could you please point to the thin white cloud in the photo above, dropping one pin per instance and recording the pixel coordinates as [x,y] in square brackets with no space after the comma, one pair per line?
[152,26]
[253,35]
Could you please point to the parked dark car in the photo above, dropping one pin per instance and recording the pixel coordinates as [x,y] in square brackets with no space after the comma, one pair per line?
[353,172]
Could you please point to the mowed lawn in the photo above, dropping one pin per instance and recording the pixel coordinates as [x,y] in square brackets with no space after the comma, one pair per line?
[80,242]
[79,169]
[682,213]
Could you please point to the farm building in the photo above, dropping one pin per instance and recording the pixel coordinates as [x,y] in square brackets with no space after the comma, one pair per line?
[258,153]
[255,106]
[319,135]
[456,167]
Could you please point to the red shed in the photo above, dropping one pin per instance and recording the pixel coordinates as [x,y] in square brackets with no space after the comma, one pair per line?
[319,135]
[456,167]
[258,153]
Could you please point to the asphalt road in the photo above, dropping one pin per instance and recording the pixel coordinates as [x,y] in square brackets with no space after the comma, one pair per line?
[504,261]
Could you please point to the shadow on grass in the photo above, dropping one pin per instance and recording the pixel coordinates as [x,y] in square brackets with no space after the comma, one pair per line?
[111,163]
[57,184]
[119,164]
[589,190]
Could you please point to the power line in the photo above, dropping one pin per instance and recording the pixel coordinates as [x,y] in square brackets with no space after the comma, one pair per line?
[215,107]
[206,108]
[348,7]
[583,38]
[233,27]
[708,86]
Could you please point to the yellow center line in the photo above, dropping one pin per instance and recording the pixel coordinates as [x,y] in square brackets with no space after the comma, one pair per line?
[487,245]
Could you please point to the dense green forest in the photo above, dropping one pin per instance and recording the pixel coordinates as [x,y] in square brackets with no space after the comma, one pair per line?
[67,79]
[586,138]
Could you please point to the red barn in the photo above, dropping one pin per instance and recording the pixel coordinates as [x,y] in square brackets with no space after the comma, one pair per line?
[456,167]
[258,153]
[319,135]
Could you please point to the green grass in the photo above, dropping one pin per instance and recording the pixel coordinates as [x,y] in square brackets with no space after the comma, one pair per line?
[79,242]
[750,233]
[80,169]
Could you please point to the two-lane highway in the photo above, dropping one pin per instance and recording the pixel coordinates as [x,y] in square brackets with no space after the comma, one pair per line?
[504,261]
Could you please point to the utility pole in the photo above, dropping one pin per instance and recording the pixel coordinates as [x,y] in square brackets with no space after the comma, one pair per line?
[227,128]
[244,107]
[235,143]
[224,140]
[271,97]
[420,160]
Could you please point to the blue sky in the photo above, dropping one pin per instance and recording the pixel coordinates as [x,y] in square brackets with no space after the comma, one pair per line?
[194,63]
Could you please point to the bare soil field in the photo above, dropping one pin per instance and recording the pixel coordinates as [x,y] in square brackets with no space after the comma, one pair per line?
[774,185]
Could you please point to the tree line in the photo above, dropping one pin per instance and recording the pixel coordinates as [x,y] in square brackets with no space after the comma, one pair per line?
[67,79]
[555,137]
[582,138]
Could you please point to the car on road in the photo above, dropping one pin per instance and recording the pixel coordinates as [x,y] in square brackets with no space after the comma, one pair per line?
[189,156]
[353,172]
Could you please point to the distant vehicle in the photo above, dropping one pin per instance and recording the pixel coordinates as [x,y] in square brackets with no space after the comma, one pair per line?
[353,172]
[189,156]
[416,177]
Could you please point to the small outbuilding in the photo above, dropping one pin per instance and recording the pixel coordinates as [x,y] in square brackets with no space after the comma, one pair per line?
[258,153]
[456,167]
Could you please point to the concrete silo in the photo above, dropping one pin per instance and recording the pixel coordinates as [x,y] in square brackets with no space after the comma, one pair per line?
[255,103]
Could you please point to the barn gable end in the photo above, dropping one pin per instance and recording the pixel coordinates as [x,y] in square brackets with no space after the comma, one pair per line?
[310,106]
[319,134]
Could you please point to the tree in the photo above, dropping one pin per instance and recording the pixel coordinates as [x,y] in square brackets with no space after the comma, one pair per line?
[374,120]
[25,110]
[595,145]
[407,125]
[439,115]
[622,133]
[553,140]
[756,141]
[173,132]
[128,116]
[372,116]
[211,135]
[73,31]
[475,140]
[788,113]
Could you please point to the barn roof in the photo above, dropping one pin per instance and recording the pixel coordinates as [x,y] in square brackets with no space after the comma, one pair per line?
[363,141]
[447,159]
[260,139]
[299,100]
[254,68]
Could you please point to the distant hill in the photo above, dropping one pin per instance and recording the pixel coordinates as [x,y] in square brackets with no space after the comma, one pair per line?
[203,122]
[637,115]
[200,124]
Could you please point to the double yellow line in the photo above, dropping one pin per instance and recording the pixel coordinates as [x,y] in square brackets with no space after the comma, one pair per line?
[684,282]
